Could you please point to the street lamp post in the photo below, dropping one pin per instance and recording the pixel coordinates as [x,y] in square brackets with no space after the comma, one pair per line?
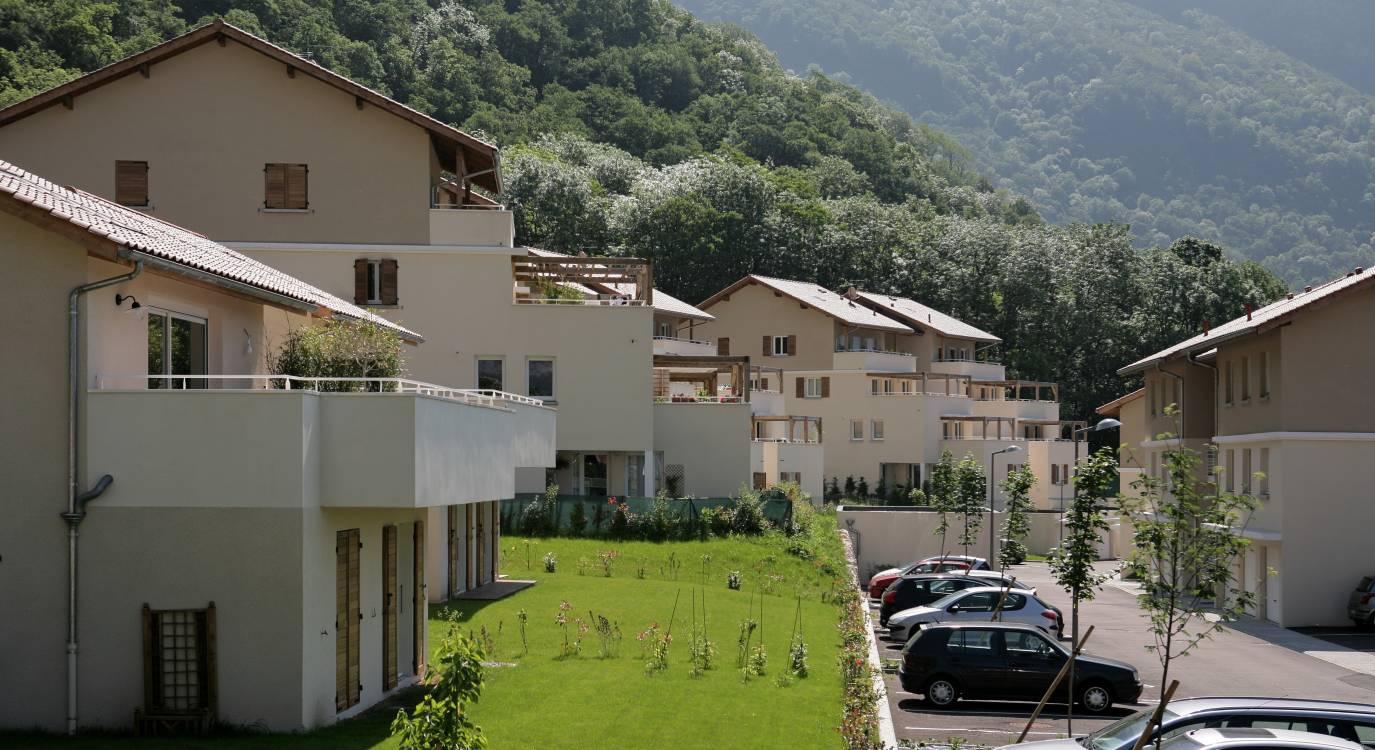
[991,476]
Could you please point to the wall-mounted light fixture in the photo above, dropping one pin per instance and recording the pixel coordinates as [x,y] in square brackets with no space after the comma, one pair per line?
[120,299]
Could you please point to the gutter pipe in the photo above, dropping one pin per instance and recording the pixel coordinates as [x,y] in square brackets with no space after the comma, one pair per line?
[77,500]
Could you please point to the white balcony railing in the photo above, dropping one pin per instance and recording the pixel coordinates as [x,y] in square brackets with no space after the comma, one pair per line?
[874,359]
[473,396]
[683,346]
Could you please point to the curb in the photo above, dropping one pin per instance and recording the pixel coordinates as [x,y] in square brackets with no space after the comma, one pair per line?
[888,735]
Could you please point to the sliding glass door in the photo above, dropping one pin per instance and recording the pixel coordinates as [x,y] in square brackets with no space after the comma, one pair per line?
[176,346]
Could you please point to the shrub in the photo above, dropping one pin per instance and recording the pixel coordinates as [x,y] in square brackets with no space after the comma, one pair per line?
[340,349]
[577,520]
[551,563]
[441,717]
[733,580]
[748,517]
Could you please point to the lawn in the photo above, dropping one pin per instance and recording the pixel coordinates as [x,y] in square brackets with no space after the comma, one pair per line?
[539,699]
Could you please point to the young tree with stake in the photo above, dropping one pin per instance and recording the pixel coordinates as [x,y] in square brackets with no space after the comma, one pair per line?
[1189,536]
[1072,562]
[971,492]
[943,494]
[1017,521]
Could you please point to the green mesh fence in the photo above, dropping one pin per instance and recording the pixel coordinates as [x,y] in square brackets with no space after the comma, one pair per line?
[778,510]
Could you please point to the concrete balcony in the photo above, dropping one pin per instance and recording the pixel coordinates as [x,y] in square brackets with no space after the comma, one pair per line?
[473,227]
[221,447]
[683,347]
[976,370]
[875,361]
[767,403]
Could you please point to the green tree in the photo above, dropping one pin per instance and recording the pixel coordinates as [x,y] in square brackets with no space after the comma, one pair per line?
[971,497]
[1071,563]
[1188,539]
[1016,519]
[338,351]
[441,719]
[943,491]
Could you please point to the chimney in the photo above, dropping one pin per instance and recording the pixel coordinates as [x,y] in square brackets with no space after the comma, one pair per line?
[1289,295]
[1308,288]
[1206,327]
[1248,310]
[1360,269]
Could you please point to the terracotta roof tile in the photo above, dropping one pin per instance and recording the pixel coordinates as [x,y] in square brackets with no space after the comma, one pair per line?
[915,313]
[146,234]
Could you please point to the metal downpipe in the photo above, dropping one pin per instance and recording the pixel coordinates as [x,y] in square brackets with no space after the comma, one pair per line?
[77,500]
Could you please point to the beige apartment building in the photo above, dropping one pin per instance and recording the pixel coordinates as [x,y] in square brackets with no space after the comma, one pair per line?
[895,383]
[1279,401]
[242,548]
[377,203]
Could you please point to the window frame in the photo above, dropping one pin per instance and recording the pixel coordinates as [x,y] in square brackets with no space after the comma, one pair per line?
[876,429]
[553,378]
[1263,374]
[168,316]
[374,281]
[853,436]
[477,371]
[1229,390]
[808,390]
[1245,379]
[780,346]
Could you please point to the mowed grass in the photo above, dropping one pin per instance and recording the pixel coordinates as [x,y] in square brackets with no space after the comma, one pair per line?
[548,702]
[587,701]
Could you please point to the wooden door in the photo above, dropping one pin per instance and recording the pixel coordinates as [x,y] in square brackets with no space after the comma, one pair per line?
[481,540]
[418,606]
[389,607]
[453,551]
[347,619]
[468,553]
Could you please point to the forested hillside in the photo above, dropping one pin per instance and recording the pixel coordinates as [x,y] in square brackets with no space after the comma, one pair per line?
[1149,112]
[629,127]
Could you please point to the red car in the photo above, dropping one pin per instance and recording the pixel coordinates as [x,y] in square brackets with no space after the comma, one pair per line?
[883,578]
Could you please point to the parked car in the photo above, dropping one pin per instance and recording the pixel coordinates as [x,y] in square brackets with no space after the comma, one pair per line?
[974,563]
[1352,721]
[1256,739]
[1007,661]
[924,588]
[881,580]
[977,604]
[1360,606]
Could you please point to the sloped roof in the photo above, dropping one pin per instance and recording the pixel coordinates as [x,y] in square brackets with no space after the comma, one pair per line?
[1112,408]
[482,159]
[819,297]
[916,314]
[1259,320]
[139,232]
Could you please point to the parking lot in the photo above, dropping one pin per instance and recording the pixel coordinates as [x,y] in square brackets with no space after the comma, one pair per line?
[1231,663]
[1360,640]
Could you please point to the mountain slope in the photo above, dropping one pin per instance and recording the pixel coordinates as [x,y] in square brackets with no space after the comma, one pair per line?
[1174,122]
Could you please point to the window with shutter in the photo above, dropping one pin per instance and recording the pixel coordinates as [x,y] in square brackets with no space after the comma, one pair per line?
[768,346]
[801,387]
[825,387]
[723,346]
[792,346]
[131,183]
[348,615]
[761,480]
[285,187]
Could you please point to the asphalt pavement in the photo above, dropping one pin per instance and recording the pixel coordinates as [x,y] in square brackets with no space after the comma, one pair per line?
[1264,660]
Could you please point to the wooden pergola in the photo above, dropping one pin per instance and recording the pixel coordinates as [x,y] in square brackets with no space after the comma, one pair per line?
[1060,424]
[1018,386]
[794,424]
[768,377]
[703,371]
[998,423]
[951,384]
[536,272]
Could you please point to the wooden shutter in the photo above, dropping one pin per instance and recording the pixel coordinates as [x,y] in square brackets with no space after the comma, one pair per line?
[768,346]
[469,569]
[761,480]
[825,387]
[347,624]
[274,186]
[360,281]
[418,608]
[297,192]
[478,539]
[131,183]
[763,384]
[494,515]
[388,282]
[792,345]
[723,346]
[389,606]
[801,387]
[453,551]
